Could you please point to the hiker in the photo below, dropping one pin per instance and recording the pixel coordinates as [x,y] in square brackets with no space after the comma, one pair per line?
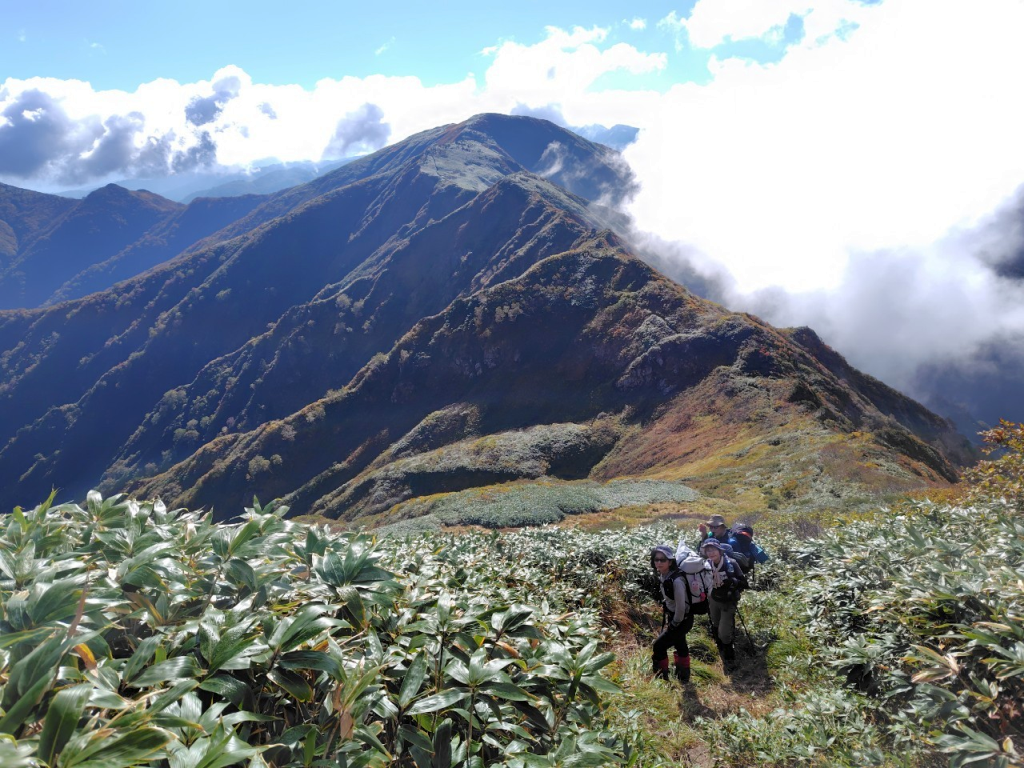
[715,528]
[742,542]
[672,583]
[727,581]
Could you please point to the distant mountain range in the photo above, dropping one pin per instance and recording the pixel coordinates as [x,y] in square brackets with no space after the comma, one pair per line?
[261,180]
[264,181]
[454,311]
[63,249]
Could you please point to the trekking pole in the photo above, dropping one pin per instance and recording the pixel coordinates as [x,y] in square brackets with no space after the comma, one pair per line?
[750,640]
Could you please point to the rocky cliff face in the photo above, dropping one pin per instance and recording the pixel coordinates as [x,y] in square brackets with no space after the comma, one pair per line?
[448,313]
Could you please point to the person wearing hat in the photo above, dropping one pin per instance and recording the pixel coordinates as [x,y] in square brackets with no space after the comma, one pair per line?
[673,586]
[716,528]
[727,581]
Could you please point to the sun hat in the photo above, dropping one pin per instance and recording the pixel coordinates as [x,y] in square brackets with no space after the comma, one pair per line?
[663,549]
[725,549]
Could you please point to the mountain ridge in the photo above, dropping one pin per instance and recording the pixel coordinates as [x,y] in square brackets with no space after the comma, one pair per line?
[440,287]
[106,221]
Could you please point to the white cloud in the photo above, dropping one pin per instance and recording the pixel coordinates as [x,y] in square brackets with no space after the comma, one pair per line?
[830,185]
[676,25]
[714,22]
[561,70]
[562,66]
[235,122]
[384,47]
[245,121]
[898,309]
[638,24]
[882,140]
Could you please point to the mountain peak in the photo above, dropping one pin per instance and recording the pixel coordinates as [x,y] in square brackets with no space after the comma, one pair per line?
[85,232]
[590,170]
[115,194]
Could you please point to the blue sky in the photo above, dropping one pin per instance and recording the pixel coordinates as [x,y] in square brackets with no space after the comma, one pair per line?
[810,157]
[121,44]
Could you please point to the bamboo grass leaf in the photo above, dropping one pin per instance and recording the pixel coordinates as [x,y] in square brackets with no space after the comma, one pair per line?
[62,718]
[413,680]
[292,683]
[106,751]
[442,745]
[177,668]
[439,701]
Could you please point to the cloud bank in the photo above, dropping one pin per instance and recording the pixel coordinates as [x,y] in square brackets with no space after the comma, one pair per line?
[865,184]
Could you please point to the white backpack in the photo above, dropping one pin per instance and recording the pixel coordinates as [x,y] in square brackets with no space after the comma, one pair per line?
[698,578]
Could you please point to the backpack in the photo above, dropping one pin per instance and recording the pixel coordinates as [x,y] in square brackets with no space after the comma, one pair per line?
[743,560]
[747,553]
[695,571]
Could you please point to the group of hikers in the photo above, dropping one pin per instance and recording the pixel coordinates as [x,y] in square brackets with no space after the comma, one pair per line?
[706,579]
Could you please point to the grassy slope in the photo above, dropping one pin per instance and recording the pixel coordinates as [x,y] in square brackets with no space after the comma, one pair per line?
[738,443]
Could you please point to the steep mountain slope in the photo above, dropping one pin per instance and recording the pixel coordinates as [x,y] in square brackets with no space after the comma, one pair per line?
[98,226]
[590,170]
[192,227]
[434,317]
[114,234]
[320,345]
[57,249]
[86,374]
[590,342]
[23,214]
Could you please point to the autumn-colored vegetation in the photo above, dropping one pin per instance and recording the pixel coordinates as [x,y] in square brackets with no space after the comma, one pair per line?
[1003,475]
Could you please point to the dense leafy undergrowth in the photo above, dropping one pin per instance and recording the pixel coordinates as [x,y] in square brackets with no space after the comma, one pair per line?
[925,612]
[136,635]
[921,615]
[513,505]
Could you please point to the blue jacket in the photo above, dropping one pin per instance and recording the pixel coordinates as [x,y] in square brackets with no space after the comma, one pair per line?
[747,546]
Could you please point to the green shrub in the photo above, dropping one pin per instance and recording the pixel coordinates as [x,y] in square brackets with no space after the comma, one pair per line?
[827,728]
[516,505]
[131,634]
[1003,476]
[924,611]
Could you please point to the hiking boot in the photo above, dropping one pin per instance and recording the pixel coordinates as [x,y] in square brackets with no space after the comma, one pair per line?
[682,669]
[661,669]
[728,656]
